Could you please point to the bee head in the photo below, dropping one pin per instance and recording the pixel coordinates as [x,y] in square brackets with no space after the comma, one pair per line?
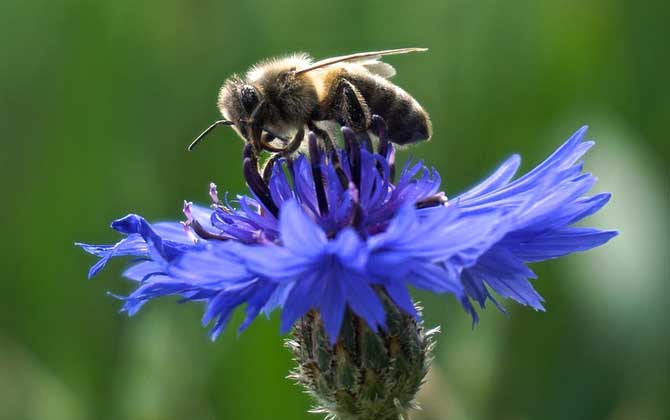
[269,98]
[244,109]
[241,103]
[264,102]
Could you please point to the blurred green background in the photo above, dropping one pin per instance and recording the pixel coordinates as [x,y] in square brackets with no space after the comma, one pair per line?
[99,99]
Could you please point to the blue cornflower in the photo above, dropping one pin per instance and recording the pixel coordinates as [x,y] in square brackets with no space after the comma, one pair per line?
[332,230]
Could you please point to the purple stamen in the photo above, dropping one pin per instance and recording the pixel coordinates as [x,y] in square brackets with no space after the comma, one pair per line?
[205,234]
[214,194]
[380,129]
[257,185]
[255,181]
[364,140]
[315,158]
[391,163]
[188,211]
[187,230]
[354,153]
[354,192]
[248,151]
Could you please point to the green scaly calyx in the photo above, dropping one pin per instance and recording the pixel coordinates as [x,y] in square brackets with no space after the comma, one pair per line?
[366,375]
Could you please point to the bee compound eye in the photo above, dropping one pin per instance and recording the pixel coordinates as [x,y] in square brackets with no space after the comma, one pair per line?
[249,98]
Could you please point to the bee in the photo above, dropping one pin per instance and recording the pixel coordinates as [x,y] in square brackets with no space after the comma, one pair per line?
[280,97]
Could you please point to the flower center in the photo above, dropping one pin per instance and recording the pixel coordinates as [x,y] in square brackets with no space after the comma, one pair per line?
[353,186]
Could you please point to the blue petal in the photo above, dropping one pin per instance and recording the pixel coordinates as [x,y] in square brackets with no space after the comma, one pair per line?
[350,249]
[257,302]
[140,272]
[560,242]
[331,303]
[400,295]
[302,297]
[273,261]
[498,179]
[299,234]
[475,288]
[437,278]
[277,298]
[133,223]
[222,306]
[216,265]
[131,245]
[506,275]
[364,301]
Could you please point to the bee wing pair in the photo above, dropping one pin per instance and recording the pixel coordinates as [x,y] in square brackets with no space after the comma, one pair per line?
[371,60]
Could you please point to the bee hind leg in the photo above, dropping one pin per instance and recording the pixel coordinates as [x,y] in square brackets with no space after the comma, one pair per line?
[349,107]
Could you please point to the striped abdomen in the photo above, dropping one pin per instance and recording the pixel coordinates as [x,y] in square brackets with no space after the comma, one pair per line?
[406,119]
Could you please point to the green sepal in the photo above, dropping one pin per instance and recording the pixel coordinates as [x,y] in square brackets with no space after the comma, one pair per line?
[366,375]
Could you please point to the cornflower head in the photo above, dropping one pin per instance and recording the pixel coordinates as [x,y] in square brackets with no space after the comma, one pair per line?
[334,240]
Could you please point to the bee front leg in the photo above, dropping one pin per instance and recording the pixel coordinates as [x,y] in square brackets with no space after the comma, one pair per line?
[291,147]
[266,143]
[268,167]
[294,144]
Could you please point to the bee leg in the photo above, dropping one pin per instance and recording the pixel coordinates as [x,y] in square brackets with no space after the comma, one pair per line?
[268,137]
[349,107]
[322,135]
[331,151]
[279,153]
[352,111]
[294,144]
[269,165]
[266,143]
[274,136]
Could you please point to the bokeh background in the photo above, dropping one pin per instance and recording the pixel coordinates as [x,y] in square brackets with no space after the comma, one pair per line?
[99,99]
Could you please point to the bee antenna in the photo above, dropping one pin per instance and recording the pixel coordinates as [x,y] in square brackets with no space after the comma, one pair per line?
[204,133]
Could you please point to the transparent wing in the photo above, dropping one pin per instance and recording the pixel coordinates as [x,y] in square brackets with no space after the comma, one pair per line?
[369,59]
[378,67]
